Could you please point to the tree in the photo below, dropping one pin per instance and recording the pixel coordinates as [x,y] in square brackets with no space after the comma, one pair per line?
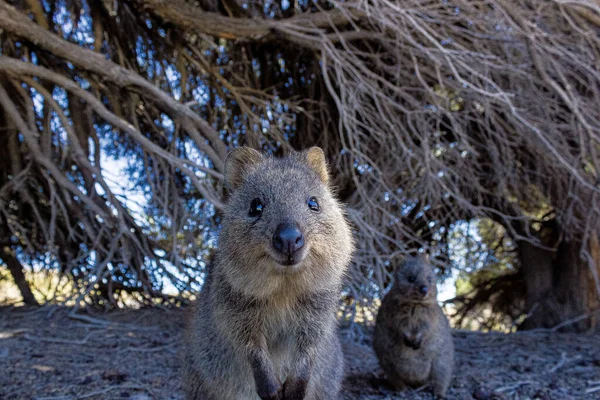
[432,113]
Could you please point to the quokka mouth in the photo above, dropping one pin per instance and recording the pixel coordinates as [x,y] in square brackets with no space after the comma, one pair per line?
[290,261]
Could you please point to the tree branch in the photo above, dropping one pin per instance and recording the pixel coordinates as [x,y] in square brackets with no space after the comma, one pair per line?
[192,18]
[17,23]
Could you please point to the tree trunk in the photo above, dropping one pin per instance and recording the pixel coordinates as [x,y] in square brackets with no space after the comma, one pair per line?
[16,270]
[561,285]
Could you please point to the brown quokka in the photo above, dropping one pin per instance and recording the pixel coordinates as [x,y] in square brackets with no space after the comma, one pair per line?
[412,336]
[265,323]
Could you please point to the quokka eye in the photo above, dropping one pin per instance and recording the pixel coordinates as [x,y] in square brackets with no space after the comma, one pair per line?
[256,208]
[313,204]
[412,279]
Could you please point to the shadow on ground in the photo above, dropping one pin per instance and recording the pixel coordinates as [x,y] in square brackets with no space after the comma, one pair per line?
[46,354]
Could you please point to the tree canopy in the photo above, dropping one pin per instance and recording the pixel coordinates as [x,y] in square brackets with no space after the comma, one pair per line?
[432,114]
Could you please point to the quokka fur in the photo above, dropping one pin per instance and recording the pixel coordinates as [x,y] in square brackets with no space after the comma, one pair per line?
[412,339]
[264,326]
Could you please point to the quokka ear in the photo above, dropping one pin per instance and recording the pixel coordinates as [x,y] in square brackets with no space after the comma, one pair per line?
[316,161]
[399,262]
[237,164]
[426,258]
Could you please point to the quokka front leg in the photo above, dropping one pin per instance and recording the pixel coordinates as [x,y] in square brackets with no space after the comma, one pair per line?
[315,323]
[268,385]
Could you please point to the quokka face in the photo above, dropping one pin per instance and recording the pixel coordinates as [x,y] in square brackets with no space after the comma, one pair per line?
[281,213]
[415,280]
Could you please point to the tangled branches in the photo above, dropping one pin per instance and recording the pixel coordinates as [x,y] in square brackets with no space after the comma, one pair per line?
[431,112]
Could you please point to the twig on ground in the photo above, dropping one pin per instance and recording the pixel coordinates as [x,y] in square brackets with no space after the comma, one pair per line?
[150,350]
[11,333]
[565,323]
[107,324]
[111,388]
[512,387]
[593,390]
[563,360]
[91,320]
[58,340]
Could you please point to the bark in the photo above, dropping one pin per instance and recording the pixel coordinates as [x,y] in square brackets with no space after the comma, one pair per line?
[560,285]
[192,18]
[16,270]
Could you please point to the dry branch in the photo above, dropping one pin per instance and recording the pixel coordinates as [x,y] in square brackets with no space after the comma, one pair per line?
[431,113]
[18,24]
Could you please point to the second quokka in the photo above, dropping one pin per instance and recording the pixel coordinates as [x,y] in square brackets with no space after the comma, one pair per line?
[412,339]
[265,323]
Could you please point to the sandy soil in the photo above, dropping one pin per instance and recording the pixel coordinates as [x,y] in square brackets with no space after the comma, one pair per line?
[46,354]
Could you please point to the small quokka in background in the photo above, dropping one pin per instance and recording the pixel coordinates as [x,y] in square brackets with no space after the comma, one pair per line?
[265,323]
[412,339]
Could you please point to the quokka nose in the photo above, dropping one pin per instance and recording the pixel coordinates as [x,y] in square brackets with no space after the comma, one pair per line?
[423,290]
[288,239]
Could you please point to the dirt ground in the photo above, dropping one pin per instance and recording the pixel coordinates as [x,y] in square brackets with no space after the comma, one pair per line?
[47,354]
